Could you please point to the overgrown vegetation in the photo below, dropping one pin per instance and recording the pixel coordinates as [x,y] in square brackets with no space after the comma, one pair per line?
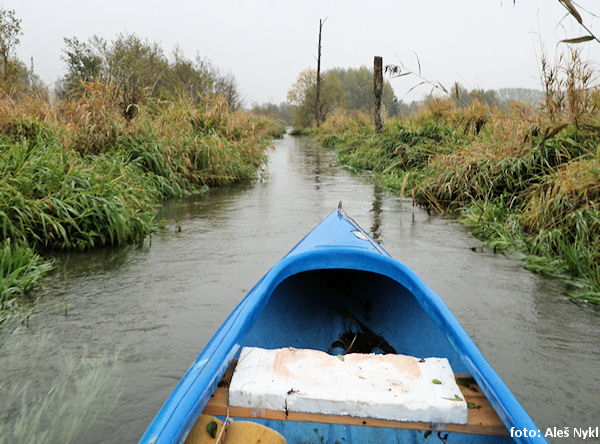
[524,178]
[83,176]
[129,128]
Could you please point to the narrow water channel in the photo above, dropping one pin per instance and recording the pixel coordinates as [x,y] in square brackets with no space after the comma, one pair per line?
[115,329]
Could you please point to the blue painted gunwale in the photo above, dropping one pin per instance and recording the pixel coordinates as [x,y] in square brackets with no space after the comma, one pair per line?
[330,245]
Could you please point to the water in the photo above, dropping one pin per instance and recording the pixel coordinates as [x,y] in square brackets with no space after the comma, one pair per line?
[141,315]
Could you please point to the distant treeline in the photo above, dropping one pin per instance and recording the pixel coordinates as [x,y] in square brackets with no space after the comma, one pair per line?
[351,89]
[500,97]
[279,112]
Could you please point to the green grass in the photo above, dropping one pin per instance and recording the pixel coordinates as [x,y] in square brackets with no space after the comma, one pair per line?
[558,252]
[53,198]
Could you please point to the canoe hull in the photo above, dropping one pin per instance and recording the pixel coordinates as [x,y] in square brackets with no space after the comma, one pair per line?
[329,281]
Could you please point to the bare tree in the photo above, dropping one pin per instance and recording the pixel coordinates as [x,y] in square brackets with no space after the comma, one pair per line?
[377,90]
[318,100]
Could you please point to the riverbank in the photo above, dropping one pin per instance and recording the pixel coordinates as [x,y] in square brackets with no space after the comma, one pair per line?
[82,174]
[518,180]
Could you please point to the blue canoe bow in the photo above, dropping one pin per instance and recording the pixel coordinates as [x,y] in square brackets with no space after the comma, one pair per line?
[285,309]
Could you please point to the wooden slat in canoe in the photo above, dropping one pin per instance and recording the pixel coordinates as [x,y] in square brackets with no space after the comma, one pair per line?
[482,417]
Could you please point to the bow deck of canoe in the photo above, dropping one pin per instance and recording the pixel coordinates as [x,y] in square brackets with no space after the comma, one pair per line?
[337,293]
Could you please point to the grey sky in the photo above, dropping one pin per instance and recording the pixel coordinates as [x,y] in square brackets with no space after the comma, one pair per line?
[266,43]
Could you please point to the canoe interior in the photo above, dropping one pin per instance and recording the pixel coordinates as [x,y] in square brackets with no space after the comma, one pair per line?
[314,308]
[325,309]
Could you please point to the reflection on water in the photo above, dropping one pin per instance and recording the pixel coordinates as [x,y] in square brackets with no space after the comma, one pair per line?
[375,212]
[317,170]
[160,303]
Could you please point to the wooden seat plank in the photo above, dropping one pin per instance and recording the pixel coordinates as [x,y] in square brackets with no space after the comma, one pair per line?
[482,418]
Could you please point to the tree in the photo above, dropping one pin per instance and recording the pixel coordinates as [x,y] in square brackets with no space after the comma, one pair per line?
[188,78]
[200,80]
[377,90]
[318,116]
[18,82]
[10,31]
[302,96]
[16,79]
[357,86]
[84,64]
[137,69]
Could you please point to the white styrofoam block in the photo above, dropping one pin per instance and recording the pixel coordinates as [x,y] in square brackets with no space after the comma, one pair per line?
[395,387]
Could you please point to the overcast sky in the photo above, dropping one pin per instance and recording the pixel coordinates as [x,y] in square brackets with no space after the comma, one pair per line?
[266,43]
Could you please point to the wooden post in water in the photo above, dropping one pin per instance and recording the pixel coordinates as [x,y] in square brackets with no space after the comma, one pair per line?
[377,90]
[318,100]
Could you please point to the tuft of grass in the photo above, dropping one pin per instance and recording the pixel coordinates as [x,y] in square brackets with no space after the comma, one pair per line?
[53,198]
[297,131]
[21,270]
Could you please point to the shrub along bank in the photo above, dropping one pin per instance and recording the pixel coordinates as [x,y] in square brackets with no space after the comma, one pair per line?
[80,174]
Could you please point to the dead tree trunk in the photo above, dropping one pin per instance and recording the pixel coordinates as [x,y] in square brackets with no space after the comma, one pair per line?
[318,99]
[377,90]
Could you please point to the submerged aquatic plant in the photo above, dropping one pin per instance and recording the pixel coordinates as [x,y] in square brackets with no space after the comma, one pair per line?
[68,406]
